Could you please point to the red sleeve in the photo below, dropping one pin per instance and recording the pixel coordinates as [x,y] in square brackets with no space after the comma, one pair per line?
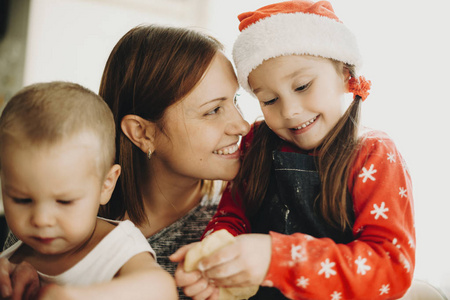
[379,264]
[230,214]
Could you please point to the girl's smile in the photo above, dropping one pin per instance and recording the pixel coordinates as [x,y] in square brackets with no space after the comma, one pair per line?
[305,126]
[228,150]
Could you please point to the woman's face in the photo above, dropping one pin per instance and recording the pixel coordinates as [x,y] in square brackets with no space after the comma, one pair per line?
[201,132]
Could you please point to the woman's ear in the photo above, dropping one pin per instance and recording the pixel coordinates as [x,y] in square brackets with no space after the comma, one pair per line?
[139,131]
[109,184]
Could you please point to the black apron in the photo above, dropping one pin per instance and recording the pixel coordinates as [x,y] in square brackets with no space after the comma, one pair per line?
[289,206]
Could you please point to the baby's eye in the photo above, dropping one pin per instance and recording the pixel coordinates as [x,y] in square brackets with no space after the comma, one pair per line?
[22,201]
[270,102]
[65,202]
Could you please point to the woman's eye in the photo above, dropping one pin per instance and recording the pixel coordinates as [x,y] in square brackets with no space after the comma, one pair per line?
[270,102]
[213,112]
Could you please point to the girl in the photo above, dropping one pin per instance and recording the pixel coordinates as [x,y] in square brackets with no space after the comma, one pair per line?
[331,201]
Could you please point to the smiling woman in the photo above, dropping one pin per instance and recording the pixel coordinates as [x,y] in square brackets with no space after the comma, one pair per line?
[172,93]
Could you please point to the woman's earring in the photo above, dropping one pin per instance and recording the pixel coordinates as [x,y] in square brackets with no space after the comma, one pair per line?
[149,154]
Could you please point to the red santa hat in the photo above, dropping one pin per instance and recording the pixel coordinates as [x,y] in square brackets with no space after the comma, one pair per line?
[293,27]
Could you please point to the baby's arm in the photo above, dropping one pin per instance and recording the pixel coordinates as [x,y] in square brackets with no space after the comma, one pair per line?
[140,278]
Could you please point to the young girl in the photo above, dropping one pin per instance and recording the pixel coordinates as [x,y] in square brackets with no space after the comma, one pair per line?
[331,201]
[57,168]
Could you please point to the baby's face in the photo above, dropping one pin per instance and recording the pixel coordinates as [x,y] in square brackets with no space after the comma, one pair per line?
[51,194]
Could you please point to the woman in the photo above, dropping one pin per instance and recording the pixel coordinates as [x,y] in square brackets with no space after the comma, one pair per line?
[172,93]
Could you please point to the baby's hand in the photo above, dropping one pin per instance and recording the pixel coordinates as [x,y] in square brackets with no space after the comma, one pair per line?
[194,285]
[18,281]
[243,263]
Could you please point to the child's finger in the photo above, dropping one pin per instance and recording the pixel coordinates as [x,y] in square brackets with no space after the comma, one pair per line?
[25,281]
[198,290]
[183,278]
[221,256]
[5,281]
[179,255]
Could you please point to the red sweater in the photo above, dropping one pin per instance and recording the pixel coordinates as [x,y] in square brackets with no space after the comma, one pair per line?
[378,264]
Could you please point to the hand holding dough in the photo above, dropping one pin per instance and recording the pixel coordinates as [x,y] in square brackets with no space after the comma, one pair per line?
[210,244]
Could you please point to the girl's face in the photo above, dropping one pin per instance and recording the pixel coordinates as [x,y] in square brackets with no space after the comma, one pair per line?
[201,132]
[301,97]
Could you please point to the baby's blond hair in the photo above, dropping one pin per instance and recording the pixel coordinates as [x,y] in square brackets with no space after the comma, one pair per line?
[48,113]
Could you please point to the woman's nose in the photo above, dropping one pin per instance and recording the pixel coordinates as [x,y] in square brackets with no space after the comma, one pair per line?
[236,124]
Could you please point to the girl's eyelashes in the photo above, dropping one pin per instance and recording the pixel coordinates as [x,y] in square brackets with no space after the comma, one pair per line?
[303,87]
[270,102]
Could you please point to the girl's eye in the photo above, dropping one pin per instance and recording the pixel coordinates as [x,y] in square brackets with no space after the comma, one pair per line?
[270,102]
[302,88]
[22,201]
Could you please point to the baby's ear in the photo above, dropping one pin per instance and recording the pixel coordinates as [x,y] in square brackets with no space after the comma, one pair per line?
[109,184]
[139,131]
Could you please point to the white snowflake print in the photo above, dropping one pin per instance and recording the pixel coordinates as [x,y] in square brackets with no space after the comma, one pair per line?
[402,192]
[303,282]
[391,157]
[384,289]
[379,211]
[367,174]
[406,264]
[327,268]
[395,243]
[297,253]
[411,243]
[336,296]
[362,267]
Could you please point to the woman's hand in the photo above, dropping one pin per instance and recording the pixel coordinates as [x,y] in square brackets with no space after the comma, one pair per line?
[243,263]
[194,284]
[18,281]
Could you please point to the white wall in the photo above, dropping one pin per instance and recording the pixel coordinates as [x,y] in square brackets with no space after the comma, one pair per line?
[406,50]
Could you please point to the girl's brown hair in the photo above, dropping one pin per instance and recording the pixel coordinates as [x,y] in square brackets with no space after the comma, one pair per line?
[149,69]
[334,161]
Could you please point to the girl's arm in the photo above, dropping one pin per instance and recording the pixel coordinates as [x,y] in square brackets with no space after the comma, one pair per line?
[378,264]
[140,278]
[230,215]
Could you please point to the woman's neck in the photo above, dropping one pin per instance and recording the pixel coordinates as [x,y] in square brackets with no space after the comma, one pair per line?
[167,199]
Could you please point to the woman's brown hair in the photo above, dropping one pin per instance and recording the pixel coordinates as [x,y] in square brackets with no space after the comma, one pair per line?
[334,161]
[149,69]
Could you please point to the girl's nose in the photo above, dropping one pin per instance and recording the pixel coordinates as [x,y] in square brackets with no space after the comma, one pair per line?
[290,108]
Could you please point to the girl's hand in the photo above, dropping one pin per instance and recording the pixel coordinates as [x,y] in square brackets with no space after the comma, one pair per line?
[18,281]
[194,285]
[243,263]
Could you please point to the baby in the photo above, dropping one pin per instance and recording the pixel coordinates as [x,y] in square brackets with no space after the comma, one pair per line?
[57,149]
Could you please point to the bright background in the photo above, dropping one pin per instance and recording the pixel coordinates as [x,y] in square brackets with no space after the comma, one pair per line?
[404,43]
